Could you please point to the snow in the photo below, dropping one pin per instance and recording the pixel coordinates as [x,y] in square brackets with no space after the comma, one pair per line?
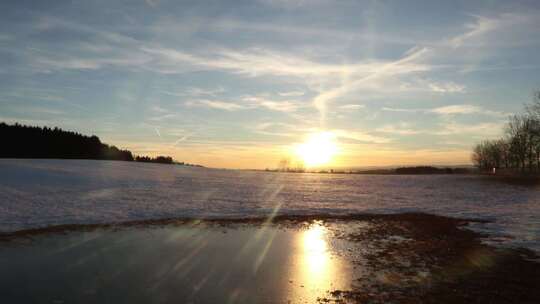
[40,193]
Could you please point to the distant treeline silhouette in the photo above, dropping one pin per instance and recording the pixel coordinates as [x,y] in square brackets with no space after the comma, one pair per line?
[430,170]
[158,159]
[20,141]
[519,149]
[284,166]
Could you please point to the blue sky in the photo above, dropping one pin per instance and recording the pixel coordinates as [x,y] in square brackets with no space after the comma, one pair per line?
[238,83]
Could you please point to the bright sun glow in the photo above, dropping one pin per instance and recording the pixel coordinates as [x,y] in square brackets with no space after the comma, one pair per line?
[318,149]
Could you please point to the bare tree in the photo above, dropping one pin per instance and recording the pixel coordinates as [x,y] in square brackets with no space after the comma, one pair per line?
[478,157]
[284,165]
[491,154]
[533,111]
[520,148]
[517,131]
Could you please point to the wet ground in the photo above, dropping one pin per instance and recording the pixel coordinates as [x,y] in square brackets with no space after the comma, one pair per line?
[406,258]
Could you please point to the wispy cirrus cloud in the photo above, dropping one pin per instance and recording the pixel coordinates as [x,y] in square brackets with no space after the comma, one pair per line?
[276,129]
[470,131]
[359,136]
[255,62]
[477,31]
[449,87]
[342,135]
[462,109]
[52,63]
[377,73]
[291,93]
[195,92]
[351,106]
[402,128]
[467,109]
[248,102]
[275,105]
[457,109]
[480,26]
[322,78]
[480,130]
[404,110]
[216,104]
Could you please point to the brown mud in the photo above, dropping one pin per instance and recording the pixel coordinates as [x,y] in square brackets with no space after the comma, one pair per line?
[423,258]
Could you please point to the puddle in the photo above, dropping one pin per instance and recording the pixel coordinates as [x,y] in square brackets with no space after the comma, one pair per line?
[191,263]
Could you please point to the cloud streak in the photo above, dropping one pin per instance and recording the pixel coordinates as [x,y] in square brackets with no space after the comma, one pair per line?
[463,109]
[216,104]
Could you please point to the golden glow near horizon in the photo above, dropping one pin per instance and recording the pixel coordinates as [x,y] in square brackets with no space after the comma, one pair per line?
[268,155]
[318,149]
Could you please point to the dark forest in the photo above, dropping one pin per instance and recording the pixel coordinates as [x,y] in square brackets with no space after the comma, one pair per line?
[20,141]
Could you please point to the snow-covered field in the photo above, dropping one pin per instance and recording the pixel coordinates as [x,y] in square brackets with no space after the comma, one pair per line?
[39,193]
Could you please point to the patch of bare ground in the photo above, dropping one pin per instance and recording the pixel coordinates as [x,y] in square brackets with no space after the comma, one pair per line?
[421,258]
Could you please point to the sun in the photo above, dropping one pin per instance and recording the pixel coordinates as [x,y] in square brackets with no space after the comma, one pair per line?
[318,149]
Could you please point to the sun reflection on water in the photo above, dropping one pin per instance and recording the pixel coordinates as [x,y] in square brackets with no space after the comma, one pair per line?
[315,271]
[315,250]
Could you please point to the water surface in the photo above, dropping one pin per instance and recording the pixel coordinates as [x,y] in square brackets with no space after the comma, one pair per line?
[191,263]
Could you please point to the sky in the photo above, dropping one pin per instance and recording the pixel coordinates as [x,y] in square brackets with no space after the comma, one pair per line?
[239,84]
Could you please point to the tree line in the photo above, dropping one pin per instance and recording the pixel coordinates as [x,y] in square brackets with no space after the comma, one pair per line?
[519,148]
[20,141]
[157,159]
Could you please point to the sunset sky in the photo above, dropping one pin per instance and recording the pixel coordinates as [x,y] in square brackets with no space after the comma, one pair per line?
[242,84]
